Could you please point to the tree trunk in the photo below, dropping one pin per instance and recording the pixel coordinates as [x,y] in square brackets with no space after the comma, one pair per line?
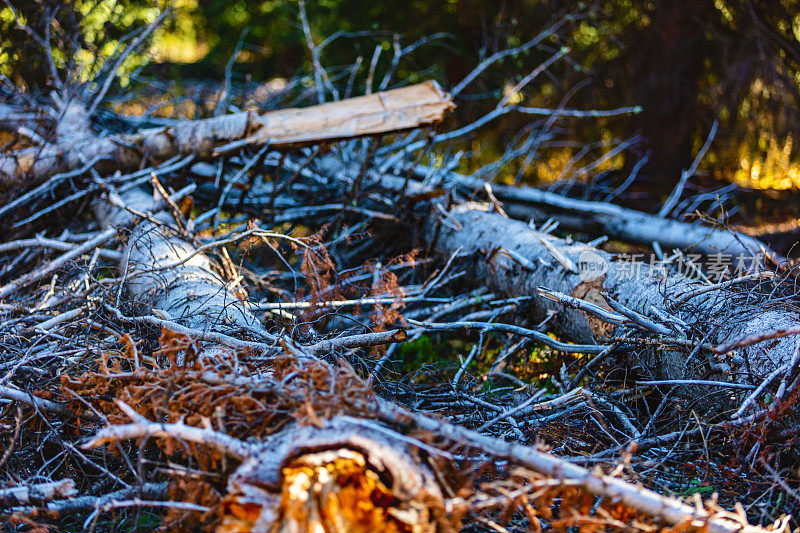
[516,260]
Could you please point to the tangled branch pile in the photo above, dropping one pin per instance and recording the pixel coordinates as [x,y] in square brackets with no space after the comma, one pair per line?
[305,319]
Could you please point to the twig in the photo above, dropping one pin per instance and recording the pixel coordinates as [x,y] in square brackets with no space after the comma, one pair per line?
[755,339]
[750,400]
[48,185]
[637,497]
[530,77]
[372,66]
[515,330]
[357,341]
[676,193]
[683,298]
[212,336]
[320,76]
[497,56]
[222,104]
[57,263]
[29,399]
[583,305]
[705,382]
[55,245]
[502,416]
[638,319]
[119,60]
[588,367]
[82,503]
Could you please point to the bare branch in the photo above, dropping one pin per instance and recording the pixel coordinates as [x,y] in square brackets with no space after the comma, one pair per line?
[142,428]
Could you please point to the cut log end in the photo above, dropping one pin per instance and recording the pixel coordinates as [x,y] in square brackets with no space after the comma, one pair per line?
[334,490]
[341,477]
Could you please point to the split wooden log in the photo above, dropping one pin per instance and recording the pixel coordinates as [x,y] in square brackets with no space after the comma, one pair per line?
[75,144]
[512,258]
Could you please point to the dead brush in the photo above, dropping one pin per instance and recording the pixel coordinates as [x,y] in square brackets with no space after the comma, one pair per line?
[178,384]
[257,423]
[318,268]
[386,283]
[526,500]
[325,284]
[308,407]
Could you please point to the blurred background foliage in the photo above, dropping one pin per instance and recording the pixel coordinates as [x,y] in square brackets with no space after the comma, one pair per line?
[685,62]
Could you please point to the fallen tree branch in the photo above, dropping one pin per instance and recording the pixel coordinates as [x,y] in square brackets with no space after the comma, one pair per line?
[478,233]
[514,330]
[398,109]
[358,341]
[23,494]
[750,340]
[600,218]
[83,503]
[144,428]
[618,490]
[29,399]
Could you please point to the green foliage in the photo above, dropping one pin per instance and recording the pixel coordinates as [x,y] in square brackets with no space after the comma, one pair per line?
[698,487]
[418,353]
[82,35]
[104,273]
